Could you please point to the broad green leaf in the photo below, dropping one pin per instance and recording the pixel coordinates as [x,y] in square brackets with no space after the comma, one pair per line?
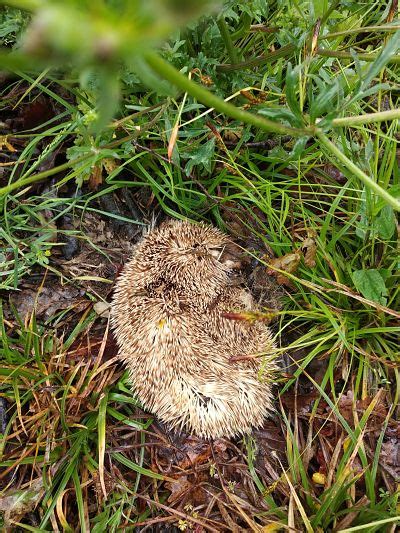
[147,76]
[12,21]
[107,98]
[371,285]
[298,148]
[390,49]
[292,82]
[385,223]
[202,156]
[382,225]
[326,99]
[319,7]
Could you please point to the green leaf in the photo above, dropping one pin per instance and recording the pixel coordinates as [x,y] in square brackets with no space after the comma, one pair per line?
[298,148]
[325,100]
[385,223]
[147,76]
[292,83]
[12,22]
[137,468]
[278,113]
[390,49]
[202,156]
[382,224]
[371,285]
[319,7]
[107,98]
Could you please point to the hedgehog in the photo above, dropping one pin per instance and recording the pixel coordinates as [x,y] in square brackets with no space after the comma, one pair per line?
[190,364]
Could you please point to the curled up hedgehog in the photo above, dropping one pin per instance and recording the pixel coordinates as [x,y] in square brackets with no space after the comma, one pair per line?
[190,364]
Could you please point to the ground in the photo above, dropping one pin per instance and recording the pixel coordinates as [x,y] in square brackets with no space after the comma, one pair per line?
[87,163]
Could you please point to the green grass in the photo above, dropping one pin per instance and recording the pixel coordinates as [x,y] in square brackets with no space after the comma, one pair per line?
[331,174]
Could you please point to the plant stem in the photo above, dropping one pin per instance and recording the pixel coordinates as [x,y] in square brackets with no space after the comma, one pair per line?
[65,166]
[365,29]
[168,72]
[367,118]
[41,175]
[224,31]
[265,58]
[369,182]
[346,55]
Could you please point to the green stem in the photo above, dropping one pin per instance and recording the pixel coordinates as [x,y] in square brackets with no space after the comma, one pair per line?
[346,55]
[365,29]
[224,31]
[266,58]
[65,166]
[369,182]
[41,175]
[367,118]
[168,72]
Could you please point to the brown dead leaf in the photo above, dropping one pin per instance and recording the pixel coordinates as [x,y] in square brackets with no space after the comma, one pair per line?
[50,299]
[352,411]
[96,177]
[95,268]
[271,454]
[172,141]
[309,249]
[297,402]
[196,451]
[389,457]
[334,173]
[178,489]
[37,112]
[288,263]
[232,136]
[89,349]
